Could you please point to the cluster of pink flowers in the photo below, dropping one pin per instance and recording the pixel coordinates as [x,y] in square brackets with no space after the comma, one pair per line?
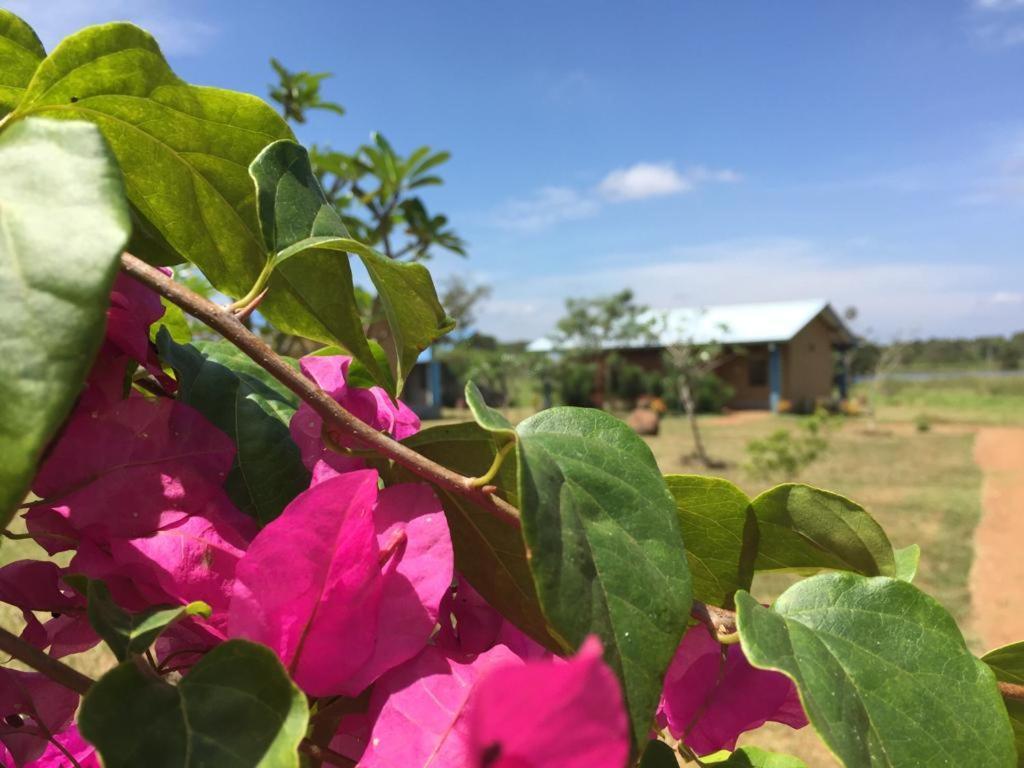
[353,586]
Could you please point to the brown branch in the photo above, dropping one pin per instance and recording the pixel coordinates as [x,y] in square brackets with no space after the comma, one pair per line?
[222,321]
[41,662]
[1012,691]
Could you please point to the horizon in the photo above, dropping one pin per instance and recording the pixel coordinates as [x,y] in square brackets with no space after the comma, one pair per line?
[870,155]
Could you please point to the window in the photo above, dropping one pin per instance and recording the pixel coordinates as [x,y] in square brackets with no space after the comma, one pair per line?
[757,372]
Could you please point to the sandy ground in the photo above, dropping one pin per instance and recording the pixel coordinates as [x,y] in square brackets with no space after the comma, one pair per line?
[997,575]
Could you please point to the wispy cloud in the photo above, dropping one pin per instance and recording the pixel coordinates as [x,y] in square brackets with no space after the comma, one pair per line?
[53,20]
[910,297]
[998,23]
[549,206]
[552,205]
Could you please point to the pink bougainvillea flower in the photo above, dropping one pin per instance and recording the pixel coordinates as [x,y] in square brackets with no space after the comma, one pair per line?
[419,710]
[31,706]
[354,607]
[72,743]
[133,309]
[548,714]
[310,584]
[371,405]
[126,470]
[193,559]
[416,551]
[469,624]
[708,707]
[37,585]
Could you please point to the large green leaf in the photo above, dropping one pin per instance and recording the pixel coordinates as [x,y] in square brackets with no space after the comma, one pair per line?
[883,673]
[720,532]
[128,633]
[236,708]
[605,548]
[297,220]
[20,54]
[1008,664]
[805,528]
[254,409]
[753,757]
[489,552]
[185,152]
[64,221]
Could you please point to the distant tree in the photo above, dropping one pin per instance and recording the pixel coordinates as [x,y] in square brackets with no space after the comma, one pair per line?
[691,363]
[460,299]
[592,329]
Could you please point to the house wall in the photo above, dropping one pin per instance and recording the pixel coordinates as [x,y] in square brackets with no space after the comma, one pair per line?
[807,366]
[736,372]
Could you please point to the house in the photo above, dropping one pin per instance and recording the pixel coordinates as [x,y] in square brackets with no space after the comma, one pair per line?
[772,352]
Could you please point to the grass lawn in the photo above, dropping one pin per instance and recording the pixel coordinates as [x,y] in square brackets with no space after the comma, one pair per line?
[977,400]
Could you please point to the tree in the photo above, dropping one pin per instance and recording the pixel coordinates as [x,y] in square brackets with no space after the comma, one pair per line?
[288,569]
[461,299]
[691,363]
[593,329]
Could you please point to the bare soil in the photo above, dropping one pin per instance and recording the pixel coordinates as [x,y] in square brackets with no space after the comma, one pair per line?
[998,570]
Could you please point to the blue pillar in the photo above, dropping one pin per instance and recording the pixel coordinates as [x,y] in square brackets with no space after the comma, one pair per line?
[434,394]
[775,376]
[844,375]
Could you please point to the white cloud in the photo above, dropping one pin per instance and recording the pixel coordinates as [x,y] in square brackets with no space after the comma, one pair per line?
[552,205]
[1007,297]
[644,180]
[909,298]
[53,20]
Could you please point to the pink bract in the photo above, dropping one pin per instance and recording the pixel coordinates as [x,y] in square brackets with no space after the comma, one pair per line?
[412,534]
[71,740]
[31,700]
[371,405]
[419,710]
[548,714]
[470,625]
[741,699]
[309,586]
[128,469]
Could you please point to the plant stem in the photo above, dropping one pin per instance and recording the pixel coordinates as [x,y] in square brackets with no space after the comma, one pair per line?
[499,457]
[56,670]
[222,321]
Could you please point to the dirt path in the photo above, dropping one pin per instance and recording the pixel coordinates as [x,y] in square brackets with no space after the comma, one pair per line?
[998,570]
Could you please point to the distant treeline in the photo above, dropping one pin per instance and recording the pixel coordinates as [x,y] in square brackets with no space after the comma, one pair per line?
[991,353]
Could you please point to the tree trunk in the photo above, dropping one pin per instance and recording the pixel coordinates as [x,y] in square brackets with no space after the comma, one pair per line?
[686,395]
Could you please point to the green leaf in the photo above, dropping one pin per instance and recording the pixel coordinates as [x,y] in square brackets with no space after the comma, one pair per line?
[805,528]
[64,223]
[605,548]
[254,410]
[1008,664]
[489,552]
[236,708]
[907,560]
[753,757]
[658,754]
[297,219]
[130,633]
[20,52]
[185,152]
[174,321]
[883,673]
[720,531]
[490,419]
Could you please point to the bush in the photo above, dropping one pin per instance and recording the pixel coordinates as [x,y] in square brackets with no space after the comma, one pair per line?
[785,453]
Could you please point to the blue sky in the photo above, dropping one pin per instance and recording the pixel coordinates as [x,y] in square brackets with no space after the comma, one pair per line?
[700,153]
